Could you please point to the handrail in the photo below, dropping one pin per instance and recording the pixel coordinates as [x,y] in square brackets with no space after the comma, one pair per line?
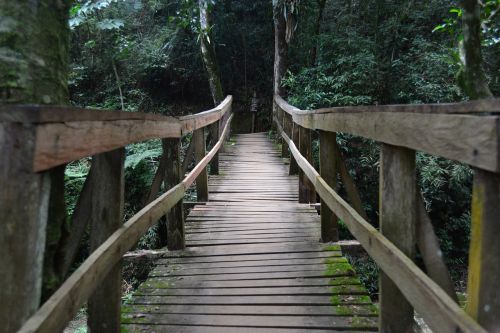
[466,132]
[65,134]
[195,121]
[437,308]
[67,300]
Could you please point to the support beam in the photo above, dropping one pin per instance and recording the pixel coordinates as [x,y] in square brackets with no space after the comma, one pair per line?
[294,135]
[173,176]
[484,265]
[328,165]
[398,210]
[106,217]
[214,134]
[199,153]
[307,194]
[24,198]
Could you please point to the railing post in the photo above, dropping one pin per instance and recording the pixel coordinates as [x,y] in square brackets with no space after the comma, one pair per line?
[106,216]
[328,166]
[307,193]
[24,197]
[484,264]
[294,135]
[173,176]
[214,133]
[284,146]
[398,210]
[199,153]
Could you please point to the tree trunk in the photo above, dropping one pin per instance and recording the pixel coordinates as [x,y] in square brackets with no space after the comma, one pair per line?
[34,48]
[472,79]
[317,29]
[280,47]
[208,53]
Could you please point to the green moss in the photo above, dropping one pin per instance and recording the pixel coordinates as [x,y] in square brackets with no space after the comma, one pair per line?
[341,280]
[335,260]
[331,248]
[333,269]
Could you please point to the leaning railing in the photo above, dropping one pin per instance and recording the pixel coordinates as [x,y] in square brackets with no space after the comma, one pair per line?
[466,132]
[36,139]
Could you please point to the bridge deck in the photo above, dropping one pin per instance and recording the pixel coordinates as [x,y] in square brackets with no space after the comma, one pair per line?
[253,262]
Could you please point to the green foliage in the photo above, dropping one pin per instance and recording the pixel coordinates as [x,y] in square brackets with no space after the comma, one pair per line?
[367,271]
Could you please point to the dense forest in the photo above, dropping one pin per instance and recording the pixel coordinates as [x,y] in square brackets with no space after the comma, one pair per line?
[145,55]
[177,57]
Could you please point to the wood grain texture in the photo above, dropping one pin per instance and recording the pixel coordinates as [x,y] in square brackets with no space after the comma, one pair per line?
[329,166]
[59,143]
[432,129]
[484,269]
[24,200]
[199,154]
[439,311]
[253,259]
[106,216]
[397,216]
[172,177]
[205,118]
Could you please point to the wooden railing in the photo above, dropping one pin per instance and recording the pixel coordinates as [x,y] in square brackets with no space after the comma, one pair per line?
[465,132]
[35,139]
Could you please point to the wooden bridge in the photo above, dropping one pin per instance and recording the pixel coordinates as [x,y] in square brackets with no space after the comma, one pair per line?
[249,256]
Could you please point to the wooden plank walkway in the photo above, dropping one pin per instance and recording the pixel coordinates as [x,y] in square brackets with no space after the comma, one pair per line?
[254,262]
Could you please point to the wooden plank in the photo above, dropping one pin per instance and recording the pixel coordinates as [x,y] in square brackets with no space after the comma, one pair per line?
[197,121]
[255,300]
[293,322]
[435,123]
[24,198]
[41,114]
[219,329]
[259,291]
[397,215]
[484,269]
[280,282]
[437,308]
[199,154]
[356,310]
[328,165]
[106,216]
[173,176]
[489,105]
[59,143]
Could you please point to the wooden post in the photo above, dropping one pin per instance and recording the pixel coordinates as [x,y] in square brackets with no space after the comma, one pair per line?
[106,216]
[307,194]
[199,153]
[398,211]
[294,135]
[173,176]
[484,254]
[24,199]
[214,133]
[284,146]
[328,166]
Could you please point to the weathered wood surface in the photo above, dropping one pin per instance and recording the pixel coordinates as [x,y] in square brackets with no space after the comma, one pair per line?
[253,261]
[106,216]
[433,129]
[398,220]
[24,200]
[440,311]
[60,308]
[199,120]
